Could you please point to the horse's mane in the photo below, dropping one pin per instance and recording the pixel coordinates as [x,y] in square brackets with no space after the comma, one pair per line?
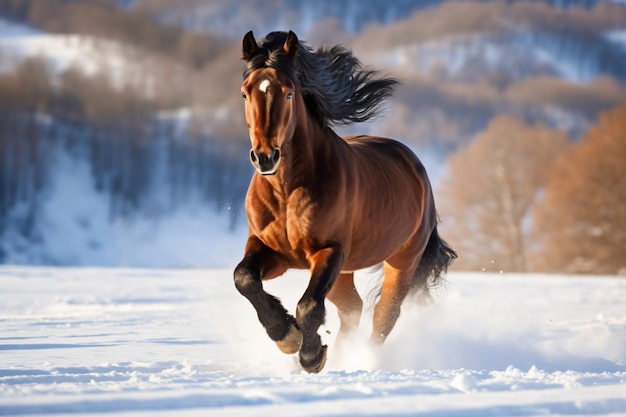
[336,88]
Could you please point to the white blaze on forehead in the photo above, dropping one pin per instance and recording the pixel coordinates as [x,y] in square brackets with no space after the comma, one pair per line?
[264,84]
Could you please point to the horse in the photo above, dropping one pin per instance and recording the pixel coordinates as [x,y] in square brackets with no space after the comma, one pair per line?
[328,204]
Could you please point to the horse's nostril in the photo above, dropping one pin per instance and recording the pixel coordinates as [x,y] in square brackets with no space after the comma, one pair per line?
[265,163]
[276,155]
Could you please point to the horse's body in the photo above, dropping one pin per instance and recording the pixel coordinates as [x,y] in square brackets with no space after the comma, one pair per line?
[345,197]
[328,204]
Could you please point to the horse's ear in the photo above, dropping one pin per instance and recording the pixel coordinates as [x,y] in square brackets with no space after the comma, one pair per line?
[291,46]
[249,47]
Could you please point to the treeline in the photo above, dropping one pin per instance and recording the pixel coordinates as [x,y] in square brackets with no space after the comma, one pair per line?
[474,17]
[521,198]
[125,137]
[145,118]
[431,113]
[235,16]
[463,63]
[174,67]
[104,19]
[73,96]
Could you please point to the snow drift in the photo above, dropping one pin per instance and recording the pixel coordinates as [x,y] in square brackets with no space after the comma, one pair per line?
[182,342]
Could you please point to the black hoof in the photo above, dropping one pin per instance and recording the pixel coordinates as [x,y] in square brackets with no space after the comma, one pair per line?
[316,363]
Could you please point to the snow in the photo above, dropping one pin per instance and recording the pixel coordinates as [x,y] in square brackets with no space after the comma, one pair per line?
[137,342]
[11,29]
[513,51]
[91,55]
[75,227]
[618,37]
[74,224]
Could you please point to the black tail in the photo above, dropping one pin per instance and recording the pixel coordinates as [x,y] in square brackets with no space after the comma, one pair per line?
[436,259]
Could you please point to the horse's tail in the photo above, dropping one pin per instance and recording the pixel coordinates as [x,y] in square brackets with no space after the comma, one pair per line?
[437,257]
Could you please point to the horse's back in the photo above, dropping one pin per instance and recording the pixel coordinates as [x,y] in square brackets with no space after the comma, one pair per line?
[386,153]
[388,166]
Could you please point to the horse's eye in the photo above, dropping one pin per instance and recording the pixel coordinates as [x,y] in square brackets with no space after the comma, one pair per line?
[289,95]
[244,95]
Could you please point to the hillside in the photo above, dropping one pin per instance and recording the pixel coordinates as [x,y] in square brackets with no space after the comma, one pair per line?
[147,112]
[97,127]
[232,18]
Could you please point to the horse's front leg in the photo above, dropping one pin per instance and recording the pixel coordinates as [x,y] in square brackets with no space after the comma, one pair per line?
[310,313]
[261,263]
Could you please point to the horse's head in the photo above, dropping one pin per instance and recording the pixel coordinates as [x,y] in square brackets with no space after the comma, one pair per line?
[269,96]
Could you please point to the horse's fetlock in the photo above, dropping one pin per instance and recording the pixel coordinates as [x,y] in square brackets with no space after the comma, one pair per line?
[309,313]
[290,342]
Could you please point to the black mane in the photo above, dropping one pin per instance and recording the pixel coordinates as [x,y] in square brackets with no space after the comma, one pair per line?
[335,86]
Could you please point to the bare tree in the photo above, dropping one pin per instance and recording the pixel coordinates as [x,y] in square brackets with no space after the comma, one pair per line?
[581,222]
[489,189]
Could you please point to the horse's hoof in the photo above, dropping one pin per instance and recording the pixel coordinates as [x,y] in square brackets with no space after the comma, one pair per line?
[292,342]
[317,364]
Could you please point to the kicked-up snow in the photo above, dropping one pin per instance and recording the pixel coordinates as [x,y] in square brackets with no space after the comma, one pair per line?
[129,342]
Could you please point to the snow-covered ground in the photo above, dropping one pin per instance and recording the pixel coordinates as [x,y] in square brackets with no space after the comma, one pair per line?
[130,342]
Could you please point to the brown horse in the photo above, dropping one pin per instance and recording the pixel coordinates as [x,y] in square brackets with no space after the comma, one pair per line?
[328,204]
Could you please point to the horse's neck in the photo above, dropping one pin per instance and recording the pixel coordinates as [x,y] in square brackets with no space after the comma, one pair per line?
[310,151]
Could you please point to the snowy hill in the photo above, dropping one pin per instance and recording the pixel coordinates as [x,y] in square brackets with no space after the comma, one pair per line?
[75,221]
[18,42]
[233,18]
[76,204]
[133,343]
[118,63]
[74,227]
[167,190]
[516,49]
[518,54]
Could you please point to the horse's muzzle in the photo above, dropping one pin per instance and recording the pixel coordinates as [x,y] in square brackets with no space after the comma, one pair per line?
[264,163]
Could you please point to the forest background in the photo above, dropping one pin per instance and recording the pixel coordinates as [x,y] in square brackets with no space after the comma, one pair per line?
[122,139]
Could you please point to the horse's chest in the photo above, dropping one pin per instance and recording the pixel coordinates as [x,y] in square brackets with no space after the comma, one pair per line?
[291,226]
[300,217]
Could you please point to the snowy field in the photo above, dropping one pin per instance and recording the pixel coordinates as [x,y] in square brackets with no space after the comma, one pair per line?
[130,342]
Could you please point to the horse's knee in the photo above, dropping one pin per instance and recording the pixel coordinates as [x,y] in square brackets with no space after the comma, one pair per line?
[246,282]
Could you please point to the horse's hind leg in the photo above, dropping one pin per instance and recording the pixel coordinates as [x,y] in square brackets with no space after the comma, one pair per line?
[345,297]
[395,289]
[261,263]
